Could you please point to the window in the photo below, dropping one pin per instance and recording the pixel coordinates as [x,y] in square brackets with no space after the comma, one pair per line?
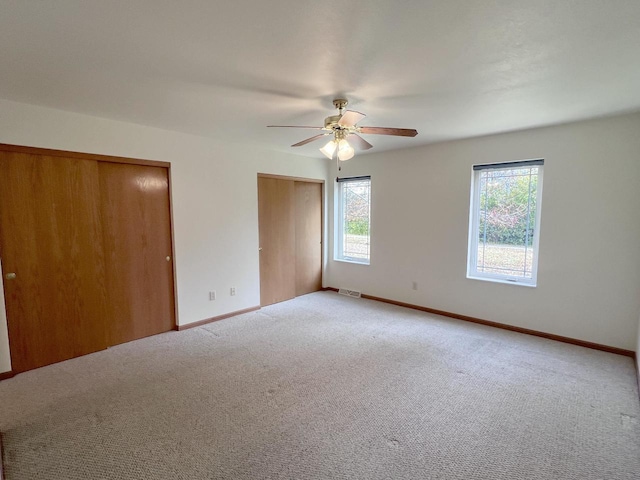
[352,219]
[504,222]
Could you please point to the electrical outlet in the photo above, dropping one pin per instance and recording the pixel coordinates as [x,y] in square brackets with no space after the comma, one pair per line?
[212,295]
[414,285]
[232,291]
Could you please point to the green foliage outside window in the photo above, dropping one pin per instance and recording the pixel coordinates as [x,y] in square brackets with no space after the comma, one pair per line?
[508,206]
[357,227]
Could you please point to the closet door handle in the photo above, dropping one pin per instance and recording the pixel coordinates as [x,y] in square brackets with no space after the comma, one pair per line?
[10,276]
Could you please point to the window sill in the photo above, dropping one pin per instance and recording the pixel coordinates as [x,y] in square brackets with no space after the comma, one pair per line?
[346,260]
[503,281]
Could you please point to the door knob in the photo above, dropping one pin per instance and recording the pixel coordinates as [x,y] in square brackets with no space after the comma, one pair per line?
[168,258]
[10,276]
[259,249]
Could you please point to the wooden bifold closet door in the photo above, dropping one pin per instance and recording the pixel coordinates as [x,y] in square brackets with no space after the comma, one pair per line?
[52,258]
[137,244]
[84,246]
[290,228]
[276,222]
[308,213]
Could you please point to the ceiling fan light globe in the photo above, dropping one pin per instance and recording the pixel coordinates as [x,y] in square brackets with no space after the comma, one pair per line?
[345,151]
[346,155]
[329,149]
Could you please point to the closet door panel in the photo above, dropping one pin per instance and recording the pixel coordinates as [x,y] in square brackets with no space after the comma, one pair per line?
[276,220]
[52,258]
[308,218]
[137,241]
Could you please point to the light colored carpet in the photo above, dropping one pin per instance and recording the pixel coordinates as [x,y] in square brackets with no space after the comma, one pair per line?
[322,387]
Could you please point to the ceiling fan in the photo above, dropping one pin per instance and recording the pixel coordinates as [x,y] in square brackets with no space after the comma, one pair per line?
[344,126]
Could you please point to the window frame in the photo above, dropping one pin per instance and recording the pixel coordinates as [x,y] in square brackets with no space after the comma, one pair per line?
[474,224]
[339,222]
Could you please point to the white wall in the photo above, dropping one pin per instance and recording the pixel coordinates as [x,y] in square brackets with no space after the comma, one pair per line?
[215,199]
[589,267]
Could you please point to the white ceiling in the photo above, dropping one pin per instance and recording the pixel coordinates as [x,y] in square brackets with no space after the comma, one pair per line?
[226,69]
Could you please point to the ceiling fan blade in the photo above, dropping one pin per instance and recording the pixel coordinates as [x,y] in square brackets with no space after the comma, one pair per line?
[350,118]
[399,132]
[309,140]
[293,126]
[359,142]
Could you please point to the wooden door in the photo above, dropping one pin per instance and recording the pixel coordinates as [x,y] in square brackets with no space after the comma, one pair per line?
[51,239]
[308,231]
[276,220]
[137,242]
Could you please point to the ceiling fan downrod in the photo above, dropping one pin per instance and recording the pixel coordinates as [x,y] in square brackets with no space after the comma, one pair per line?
[340,104]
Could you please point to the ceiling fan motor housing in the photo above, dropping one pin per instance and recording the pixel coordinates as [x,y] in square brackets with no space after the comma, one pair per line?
[331,121]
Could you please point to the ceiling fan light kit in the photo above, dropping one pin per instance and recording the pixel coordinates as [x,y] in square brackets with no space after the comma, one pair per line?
[343,126]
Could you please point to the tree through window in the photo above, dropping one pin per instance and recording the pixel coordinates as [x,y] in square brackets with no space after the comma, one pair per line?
[353,219]
[505,215]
